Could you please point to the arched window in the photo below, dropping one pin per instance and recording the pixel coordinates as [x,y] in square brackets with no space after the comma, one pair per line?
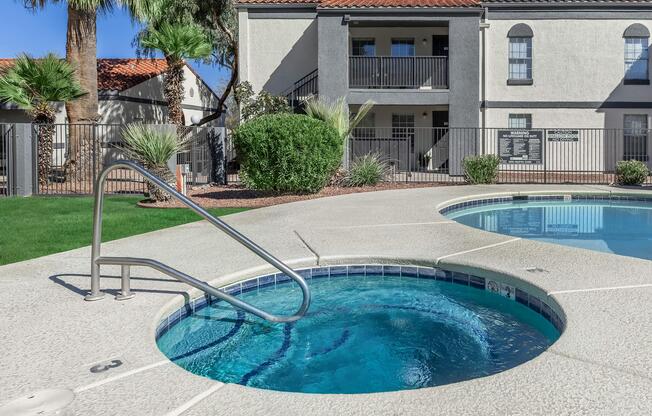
[637,39]
[520,55]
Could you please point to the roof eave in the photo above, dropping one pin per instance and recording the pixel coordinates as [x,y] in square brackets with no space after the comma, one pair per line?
[565,5]
[459,9]
[276,5]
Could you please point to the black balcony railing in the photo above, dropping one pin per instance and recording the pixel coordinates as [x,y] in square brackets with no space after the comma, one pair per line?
[398,72]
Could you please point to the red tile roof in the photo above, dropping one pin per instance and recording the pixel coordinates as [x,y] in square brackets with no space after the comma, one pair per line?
[397,3]
[118,74]
[278,1]
[371,3]
[6,64]
[122,74]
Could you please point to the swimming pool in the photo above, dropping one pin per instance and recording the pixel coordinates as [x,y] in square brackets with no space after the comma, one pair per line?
[617,224]
[369,329]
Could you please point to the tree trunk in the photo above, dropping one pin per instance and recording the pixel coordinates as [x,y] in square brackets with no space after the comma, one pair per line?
[44,120]
[81,54]
[174,91]
[156,194]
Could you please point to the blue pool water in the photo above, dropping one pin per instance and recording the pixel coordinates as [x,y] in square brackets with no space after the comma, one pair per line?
[361,334]
[611,226]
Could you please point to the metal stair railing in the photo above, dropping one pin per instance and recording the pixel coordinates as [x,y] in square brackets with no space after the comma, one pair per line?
[302,89]
[126,262]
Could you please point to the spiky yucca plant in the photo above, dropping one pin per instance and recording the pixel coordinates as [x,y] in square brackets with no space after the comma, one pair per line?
[35,85]
[367,170]
[177,42]
[336,114]
[153,148]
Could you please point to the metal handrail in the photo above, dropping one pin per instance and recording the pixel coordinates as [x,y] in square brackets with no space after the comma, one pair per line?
[126,262]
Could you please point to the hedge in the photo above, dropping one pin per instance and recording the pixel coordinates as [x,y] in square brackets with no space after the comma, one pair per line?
[287,153]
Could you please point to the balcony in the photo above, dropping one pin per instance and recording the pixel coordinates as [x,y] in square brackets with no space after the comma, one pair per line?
[403,72]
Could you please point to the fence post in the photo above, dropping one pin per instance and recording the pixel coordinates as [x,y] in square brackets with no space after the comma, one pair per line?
[25,159]
[217,144]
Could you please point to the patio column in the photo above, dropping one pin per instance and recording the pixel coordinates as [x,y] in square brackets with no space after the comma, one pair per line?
[464,84]
[333,61]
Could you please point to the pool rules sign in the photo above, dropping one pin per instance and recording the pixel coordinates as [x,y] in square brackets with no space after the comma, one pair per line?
[520,147]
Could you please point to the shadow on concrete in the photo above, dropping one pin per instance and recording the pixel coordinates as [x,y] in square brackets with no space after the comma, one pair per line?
[60,280]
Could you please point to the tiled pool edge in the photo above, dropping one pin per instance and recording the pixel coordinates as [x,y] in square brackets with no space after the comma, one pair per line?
[552,196]
[517,294]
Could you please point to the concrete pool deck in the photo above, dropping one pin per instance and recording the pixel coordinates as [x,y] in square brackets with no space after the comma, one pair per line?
[51,337]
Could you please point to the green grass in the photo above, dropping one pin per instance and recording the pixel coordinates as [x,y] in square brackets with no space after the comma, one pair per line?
[34,227]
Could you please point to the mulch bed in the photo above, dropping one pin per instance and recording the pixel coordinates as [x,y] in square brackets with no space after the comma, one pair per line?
[232,196]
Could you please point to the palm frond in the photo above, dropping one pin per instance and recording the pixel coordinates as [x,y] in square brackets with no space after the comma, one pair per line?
[178,42]
[145,10]
[139,9]
[102,6]
[35,82]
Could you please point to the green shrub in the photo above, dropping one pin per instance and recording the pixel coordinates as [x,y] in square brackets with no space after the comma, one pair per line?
[481,169]
[631,172]
[367,170]
[287,153]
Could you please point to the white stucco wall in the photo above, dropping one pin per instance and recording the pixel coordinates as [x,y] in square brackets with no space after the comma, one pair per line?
[275,53]
[573,60]
[611,118]
[575,63]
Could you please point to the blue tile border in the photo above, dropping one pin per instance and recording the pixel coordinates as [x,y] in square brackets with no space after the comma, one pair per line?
[525,198]
[511,292]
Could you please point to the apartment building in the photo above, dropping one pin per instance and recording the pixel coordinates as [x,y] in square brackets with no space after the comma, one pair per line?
[532,80]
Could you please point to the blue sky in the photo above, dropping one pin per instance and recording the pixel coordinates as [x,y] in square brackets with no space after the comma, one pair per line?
[45,31]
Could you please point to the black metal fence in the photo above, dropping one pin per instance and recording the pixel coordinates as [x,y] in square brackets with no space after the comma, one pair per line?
[232,163]
[69,157]
[7,159]
[414,155]
[526,156]
[398,71]
[203,160]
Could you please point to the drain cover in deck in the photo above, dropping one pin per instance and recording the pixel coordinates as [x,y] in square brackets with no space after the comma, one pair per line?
[48,402]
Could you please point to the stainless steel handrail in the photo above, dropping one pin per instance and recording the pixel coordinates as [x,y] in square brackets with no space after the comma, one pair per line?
[126,262]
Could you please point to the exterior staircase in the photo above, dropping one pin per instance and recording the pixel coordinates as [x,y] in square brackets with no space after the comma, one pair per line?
[301,90]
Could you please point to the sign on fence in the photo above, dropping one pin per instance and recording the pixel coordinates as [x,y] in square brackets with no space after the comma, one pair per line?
[563,135]
[520,146]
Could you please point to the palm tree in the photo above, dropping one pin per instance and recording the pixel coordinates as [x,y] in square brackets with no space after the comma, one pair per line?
[81,54]
[177,42]
[35,85]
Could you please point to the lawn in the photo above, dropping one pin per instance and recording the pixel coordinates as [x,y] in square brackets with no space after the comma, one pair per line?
[34,227]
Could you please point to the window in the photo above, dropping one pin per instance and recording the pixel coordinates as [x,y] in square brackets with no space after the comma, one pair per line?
[520,55]
[363,47]
[520,59]
[636,59]
[520,121]
[402,125]
[635,137]
[402,47]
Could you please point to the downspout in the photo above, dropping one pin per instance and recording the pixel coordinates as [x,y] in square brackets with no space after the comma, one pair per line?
[484,25]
